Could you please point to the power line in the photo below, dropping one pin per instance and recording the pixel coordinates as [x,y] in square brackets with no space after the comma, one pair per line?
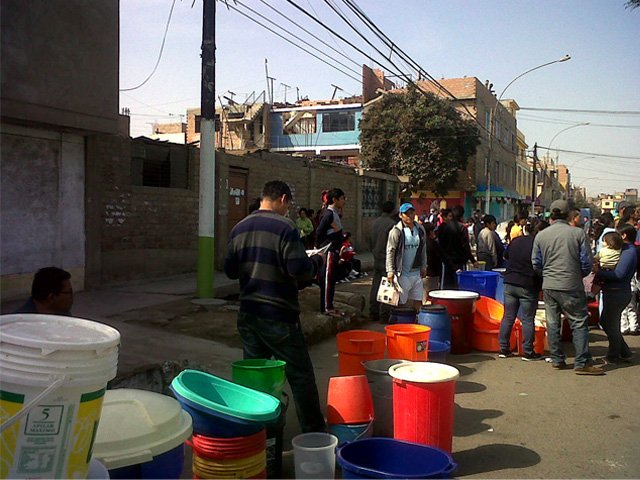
[307,31]
[589,153]
[565,110]
[359,80]
[533,118]
[164,37]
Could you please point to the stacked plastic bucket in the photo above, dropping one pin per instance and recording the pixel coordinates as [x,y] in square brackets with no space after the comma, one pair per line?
[349,408]
[229,420]
[53,372]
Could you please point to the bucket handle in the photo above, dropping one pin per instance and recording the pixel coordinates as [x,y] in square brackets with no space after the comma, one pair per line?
[37,399]
[450,468]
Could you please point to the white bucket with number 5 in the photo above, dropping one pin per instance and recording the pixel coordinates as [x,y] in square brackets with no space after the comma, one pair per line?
[53,374]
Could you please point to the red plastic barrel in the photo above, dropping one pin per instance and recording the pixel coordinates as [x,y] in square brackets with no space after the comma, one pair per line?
[461,306]
[423,403]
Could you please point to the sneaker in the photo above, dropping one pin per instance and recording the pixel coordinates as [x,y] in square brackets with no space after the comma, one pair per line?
[505,354]
[588,370]
[559,366]
[532,357]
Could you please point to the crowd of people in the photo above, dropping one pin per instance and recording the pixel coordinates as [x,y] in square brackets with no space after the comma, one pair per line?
[273,257]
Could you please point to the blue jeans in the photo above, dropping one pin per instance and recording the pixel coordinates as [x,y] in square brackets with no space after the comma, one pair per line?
[574,305]
[265,337]
[613,303]
[523,299]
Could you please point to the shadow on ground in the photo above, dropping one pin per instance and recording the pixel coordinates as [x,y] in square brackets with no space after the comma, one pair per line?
[463,386]
[473,358]
[469,421]
[490,458]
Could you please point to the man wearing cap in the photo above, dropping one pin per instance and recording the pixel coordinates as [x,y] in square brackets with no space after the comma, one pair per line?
[562,256]
[407,256]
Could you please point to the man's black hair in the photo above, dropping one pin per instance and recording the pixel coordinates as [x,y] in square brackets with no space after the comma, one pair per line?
[522,215]
[302,209]
[458,212]
[487,219]
[275,189]
[606,219]
[388,206]
[445,211]
[334,194]
[48,280]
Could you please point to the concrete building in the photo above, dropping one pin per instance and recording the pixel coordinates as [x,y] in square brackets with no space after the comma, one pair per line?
[239,127]
[169,132]
[327,130]
[500,160]
[59,87]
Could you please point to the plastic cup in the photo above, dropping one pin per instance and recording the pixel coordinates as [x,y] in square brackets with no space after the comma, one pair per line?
[315,455]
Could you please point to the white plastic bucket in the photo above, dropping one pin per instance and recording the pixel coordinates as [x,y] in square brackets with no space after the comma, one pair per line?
[53,375]
[315,455]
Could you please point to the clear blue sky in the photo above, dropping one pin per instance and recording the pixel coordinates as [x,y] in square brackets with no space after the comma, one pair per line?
[494,40]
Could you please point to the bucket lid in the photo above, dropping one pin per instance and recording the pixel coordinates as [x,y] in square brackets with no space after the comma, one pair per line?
[424,372]
[499,270]
[454,295]
[137,425]
[51,333]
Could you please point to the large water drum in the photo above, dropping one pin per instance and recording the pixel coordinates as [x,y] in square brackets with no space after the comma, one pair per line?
[54,372]
[436,317]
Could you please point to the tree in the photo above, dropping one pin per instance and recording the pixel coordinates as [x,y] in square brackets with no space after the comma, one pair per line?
[632,4]
[420,135]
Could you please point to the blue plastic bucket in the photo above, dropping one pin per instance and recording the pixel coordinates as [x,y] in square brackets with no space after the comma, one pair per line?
[390,458]
[484,283]
[350,432]
[439,351]
[436,317]
[402,315]
[165,465]
[500,288]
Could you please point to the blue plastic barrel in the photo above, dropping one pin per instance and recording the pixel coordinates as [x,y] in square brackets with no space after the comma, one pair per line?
[439,351]
[436,317]
[484,283]
[500,288]
[390,458]
[402,315]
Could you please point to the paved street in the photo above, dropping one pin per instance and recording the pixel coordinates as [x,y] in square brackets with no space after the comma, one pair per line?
[513,419]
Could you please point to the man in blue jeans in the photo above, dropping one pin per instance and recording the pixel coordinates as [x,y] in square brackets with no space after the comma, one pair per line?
[562,256]
[266,254]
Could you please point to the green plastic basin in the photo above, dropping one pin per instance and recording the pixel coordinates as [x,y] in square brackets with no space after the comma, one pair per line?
[226,397]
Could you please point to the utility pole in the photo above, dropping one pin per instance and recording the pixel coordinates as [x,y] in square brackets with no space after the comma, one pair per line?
[534,187]
[206,219]
[298,93]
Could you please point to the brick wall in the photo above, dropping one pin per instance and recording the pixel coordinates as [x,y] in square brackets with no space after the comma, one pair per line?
[144,232]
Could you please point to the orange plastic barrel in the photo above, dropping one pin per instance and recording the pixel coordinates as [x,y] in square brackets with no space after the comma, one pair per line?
[357,346]
[408,342]
[349,400]
[538,341]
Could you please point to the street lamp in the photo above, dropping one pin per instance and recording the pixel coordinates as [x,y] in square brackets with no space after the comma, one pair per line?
[583,124]
[492,122]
